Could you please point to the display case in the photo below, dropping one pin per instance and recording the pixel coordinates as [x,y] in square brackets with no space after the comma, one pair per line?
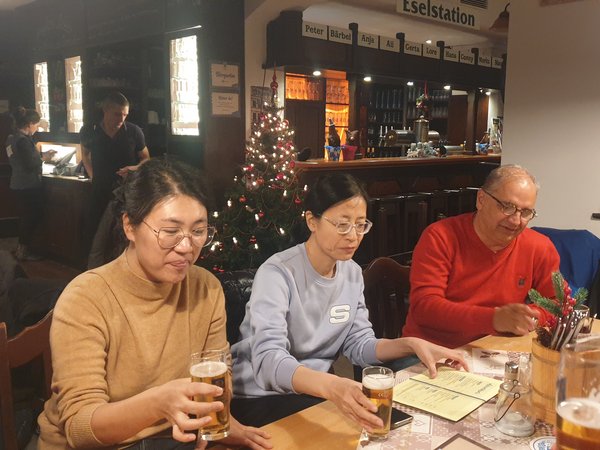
[337,105]
[74,94]
[42,95]
[183,81]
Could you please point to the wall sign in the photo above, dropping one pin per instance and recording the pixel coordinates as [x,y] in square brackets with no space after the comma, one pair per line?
[466,57]
[368,40]
[314,30]
[451,55]
[431,51]
[497,63]
[484,60]
[440,11]
[225,104]
[223,75]
[389,44]
[413,48]
[341,35]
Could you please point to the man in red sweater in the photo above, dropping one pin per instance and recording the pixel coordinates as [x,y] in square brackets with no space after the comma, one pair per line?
[471,273]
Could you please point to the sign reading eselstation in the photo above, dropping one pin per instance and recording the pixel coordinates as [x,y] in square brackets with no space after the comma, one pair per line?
[440,11]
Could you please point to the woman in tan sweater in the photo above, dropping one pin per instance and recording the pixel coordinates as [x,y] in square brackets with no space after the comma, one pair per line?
[122,334]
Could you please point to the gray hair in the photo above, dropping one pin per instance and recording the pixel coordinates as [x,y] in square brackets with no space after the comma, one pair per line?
[502,174]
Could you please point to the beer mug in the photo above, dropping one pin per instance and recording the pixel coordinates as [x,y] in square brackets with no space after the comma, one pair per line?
[378,387]
[213,367]
[578,395]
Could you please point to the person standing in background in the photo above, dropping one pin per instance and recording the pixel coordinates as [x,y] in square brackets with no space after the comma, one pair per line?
[26,178]
[110,150]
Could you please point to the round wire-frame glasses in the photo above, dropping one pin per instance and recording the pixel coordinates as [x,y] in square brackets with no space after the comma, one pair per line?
[345,227]
[170,237]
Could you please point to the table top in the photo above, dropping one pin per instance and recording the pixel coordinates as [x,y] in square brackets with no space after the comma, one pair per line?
[324,426]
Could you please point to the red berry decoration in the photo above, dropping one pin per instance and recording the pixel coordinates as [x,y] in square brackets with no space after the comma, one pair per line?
[242,199]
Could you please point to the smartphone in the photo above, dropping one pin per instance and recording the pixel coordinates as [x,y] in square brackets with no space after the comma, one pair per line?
[399,418]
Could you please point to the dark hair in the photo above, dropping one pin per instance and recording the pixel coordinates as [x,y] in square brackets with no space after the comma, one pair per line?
[156,180]
[25,117]
[330,190]
[115,98]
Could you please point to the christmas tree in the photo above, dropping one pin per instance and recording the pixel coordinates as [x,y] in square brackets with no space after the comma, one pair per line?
[263,211]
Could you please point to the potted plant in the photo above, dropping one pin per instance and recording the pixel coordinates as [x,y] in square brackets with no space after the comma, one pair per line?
[565,319]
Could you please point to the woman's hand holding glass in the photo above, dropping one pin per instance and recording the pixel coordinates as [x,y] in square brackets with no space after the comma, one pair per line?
[174,400]
[348,396]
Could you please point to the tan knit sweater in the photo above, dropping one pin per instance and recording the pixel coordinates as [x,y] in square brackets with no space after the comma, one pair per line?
[115,335]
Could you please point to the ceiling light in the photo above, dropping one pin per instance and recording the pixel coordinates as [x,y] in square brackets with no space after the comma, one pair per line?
[501,23]
[317,73]
[428,41]
[367,79]
[447,87]
[488,93]
[410,83]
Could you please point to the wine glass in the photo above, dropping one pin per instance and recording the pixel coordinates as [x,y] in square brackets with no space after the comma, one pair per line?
[578,395]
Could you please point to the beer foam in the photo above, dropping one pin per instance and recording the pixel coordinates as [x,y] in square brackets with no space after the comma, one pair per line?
[580,411]
[378,381]
[208,369]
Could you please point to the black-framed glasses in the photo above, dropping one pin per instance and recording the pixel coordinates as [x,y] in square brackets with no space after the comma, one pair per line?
[169,237]
[346,227]
[508,209]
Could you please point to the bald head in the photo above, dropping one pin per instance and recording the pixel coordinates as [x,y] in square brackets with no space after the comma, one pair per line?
[507,173]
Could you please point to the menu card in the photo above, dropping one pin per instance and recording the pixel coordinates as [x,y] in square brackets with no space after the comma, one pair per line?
[452,394]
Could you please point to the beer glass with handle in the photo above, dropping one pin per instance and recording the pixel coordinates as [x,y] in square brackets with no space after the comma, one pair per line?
[378,387]
[578,395]
[213,367]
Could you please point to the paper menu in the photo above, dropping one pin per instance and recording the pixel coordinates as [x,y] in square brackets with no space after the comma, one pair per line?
[452,394]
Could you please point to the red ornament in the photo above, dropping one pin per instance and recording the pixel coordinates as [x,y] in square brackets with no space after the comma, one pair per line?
[242,199]
[279,176]
[292,164]
[252,240]
[260,181]
[297,200]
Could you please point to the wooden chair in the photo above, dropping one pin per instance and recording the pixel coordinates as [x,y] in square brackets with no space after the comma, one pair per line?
[386,295]
[31,344]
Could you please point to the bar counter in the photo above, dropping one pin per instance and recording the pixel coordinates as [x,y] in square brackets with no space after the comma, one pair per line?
[388,176]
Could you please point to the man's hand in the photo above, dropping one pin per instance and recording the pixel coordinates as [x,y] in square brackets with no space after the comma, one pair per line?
[515,318]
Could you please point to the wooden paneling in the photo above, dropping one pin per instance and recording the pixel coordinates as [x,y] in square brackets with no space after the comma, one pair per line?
[306,119]
[457,119]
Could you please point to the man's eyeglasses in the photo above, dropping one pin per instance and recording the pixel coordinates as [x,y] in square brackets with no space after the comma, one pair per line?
[508,209]
[345,227]
[169,237]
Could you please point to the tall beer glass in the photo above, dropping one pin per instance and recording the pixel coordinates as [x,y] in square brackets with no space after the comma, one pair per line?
[213,367]
[378,387]
[578,395]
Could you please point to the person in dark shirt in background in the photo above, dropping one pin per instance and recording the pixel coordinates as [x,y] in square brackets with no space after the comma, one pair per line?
[26,178]
[110,150]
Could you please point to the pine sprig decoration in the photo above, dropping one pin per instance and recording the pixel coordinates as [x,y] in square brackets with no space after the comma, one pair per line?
[561,307]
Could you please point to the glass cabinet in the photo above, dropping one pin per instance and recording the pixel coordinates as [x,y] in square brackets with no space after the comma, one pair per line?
[74,94]
[42,96]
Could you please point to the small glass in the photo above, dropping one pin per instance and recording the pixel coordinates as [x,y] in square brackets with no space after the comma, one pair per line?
[213,367]
[378,387]
[514,412]
[578,395]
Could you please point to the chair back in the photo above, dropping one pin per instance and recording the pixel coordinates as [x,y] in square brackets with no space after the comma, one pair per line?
[33,343]
[386,294]
[237,287]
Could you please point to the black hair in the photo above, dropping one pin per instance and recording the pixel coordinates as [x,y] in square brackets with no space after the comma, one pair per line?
[115,98]
[156,180]
[332,189]
[24,117]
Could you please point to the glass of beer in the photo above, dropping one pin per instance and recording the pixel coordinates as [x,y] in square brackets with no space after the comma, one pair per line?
[213,367]
[378,387]
[578,395]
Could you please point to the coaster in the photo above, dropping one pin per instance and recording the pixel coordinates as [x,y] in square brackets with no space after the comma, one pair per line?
[542,443]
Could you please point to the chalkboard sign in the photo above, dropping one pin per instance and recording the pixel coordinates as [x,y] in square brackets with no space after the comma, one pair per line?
[182,14]
[56,24]
[117,20]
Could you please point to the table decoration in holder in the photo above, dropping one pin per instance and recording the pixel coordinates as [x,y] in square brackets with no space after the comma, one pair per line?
[567,317]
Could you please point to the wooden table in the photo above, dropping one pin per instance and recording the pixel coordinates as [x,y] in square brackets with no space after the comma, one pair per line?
[323,426]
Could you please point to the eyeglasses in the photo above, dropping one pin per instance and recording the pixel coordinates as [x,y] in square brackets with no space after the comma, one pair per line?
[170,237]
[508,209]
[345,227]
